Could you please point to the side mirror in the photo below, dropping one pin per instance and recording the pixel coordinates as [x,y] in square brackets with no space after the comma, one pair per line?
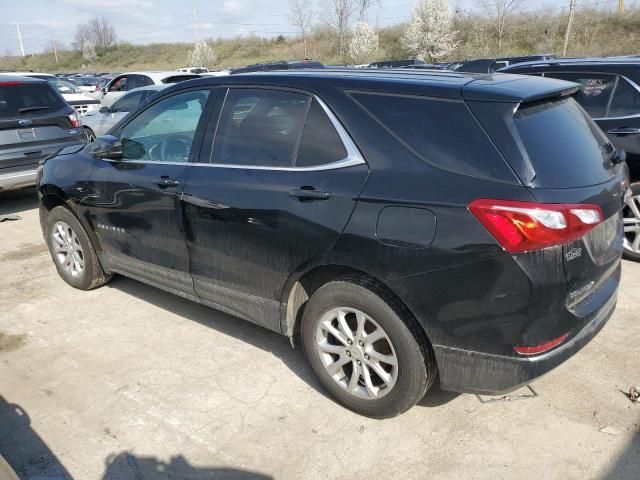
[104,110]
[619,156]
[108,147]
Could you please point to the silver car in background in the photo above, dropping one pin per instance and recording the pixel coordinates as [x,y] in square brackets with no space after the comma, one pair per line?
[99,122]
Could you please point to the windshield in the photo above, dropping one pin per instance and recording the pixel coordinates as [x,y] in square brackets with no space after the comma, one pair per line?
[63,86]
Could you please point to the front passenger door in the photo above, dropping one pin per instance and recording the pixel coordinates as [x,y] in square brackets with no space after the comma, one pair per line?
[135,206]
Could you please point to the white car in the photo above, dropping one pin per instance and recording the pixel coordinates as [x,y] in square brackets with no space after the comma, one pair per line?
[72,95]
[121,84]
[97,123]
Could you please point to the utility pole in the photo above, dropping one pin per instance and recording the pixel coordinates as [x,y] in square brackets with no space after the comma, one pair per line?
[55,51]
[567,34]
[195,27]
[20,39]
[620,7]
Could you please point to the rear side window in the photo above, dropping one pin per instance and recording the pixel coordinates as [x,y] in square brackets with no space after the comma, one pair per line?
[564,145]
[320,143]
[595,90]
[626,100]
[442,132]
[20,99]
[259,128]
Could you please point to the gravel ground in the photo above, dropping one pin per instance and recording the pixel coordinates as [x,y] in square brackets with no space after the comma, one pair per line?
[129,382]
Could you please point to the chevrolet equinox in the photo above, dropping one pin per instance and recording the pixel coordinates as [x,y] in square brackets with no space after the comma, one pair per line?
[404,224]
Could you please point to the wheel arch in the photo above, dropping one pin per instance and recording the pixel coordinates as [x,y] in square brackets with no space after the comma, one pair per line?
[303,283]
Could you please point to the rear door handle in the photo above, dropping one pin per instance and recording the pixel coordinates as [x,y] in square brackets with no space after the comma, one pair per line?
[164,182]
[309,194]
[624,131]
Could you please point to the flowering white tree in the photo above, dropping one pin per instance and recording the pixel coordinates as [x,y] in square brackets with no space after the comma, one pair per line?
[430,35]
[202,55]
[89,52]
[364,43]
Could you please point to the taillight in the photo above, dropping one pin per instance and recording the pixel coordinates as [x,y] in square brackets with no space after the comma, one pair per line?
[525,226]
[10,84]
[75,121]
[543,347]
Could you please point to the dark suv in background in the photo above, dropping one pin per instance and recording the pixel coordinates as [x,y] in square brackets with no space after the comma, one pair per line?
[610,93]
[35,121]
[404,224]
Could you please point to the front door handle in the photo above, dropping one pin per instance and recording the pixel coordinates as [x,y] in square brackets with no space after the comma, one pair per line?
[309,194]
[165,182]
[624,131]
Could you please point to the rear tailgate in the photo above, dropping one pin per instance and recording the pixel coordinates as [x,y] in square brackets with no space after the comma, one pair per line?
[562,157]
[34,122]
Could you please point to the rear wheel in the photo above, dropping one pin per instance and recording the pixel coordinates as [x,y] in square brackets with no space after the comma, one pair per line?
[72,251]
[632,224]
[89,135]
[365,348]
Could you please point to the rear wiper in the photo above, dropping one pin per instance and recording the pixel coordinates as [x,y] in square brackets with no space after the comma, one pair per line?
[32,109]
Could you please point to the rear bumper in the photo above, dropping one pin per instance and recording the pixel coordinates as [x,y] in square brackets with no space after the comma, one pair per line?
[17,179]
[475,372]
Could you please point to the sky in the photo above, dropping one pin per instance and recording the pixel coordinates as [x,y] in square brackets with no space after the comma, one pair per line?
[148,21]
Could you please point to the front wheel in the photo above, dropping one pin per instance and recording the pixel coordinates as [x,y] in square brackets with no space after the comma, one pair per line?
[365,348]
[72,251]
[632,224]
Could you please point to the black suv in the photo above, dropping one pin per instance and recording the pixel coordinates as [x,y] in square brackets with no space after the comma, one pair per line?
[404,224]
[35,121]
[278,65]
[610,93]
[490,65]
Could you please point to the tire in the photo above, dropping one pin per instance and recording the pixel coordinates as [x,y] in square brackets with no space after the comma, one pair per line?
[363,301]
[89,135]
[632,219]
[70,249]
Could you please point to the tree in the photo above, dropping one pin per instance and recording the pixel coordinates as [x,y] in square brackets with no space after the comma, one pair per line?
[364,43]
[338,15]
[202,55]
[500,12]
[97,31]
[300,15]
[89,52]
[429,35]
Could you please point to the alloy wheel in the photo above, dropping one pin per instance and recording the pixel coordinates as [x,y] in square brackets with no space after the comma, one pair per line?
[67,249]
[357,353]
[632,225]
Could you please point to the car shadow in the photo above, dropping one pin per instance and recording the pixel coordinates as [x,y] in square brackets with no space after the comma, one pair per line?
[126,466]
[250,333]
[18,201]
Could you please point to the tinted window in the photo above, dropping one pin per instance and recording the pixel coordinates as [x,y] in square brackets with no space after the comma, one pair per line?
[165,131]
[137,81]
[320,142]
[595,90]
[441,132]
[119,85]
[564,145]
[259,127]
[22,99]
[626,100]
[129,102]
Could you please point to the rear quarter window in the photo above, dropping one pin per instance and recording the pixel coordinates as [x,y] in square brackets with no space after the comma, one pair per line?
[565,146]
[442,132]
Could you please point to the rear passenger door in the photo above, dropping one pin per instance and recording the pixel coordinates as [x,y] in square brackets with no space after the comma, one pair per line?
[271,194]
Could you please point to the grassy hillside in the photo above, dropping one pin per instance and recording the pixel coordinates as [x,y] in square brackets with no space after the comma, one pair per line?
[595,32]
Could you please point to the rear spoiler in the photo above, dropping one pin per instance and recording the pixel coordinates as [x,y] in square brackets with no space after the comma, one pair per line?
[516,89]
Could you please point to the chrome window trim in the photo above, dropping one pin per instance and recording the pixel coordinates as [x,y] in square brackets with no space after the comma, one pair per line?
[353,158]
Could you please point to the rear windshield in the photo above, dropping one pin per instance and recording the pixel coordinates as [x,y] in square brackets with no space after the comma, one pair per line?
[23,99]
[566,148]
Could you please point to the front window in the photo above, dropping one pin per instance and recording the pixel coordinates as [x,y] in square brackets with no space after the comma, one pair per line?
[165,131]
